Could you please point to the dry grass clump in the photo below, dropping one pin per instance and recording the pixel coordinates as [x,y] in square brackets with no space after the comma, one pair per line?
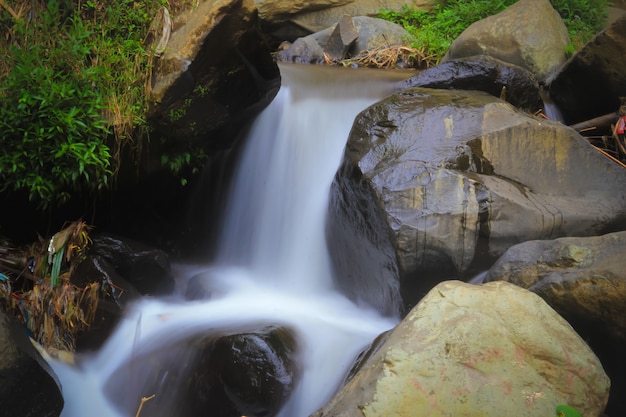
[35,287]
[388,57]
[53,315]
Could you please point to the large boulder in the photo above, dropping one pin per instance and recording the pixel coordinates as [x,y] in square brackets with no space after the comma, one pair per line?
[291,20]
[591,83]
[530,34]
[584,280]
[28,387]
[491,350]
[215,74]
[438,183]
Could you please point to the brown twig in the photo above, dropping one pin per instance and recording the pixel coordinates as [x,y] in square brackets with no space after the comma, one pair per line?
[611,157]
[143,401]
[9,9]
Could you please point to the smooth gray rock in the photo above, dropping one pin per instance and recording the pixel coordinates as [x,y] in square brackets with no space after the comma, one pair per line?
[530,34]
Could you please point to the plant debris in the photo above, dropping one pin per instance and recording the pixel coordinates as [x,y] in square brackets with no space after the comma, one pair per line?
[393,56]
[35,287]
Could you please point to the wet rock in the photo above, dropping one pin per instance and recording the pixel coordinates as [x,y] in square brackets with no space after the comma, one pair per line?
[250,373]
[584,280]
[147,269]
[256,371]
[530,34]
[125,270]
[510,82]
[592,81]
[438,183]
[28,387]
[481,351]
[114,295]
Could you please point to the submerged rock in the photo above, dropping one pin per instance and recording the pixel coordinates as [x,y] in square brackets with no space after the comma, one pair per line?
[464,350]
[438,183]
[250,373]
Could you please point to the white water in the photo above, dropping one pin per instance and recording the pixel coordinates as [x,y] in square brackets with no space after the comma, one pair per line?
[273,266]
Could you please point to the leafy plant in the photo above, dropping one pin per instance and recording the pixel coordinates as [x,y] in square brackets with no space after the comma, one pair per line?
[184,162]
[566,411]
[73,97]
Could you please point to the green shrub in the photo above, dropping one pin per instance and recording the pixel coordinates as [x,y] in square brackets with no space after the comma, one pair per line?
[73,96]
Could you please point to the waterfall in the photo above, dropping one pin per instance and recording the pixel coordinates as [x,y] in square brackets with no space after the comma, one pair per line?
[273,265]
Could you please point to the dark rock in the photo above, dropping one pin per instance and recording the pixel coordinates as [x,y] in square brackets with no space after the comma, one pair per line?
[147,269]
[115,293]
[256,371]
[510,82]
[436,184]
[251,373]
[206,285]
[584,280]
[28,387]
[592,81]
[215,75]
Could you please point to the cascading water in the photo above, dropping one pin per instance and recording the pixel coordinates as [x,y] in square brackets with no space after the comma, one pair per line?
[273,265]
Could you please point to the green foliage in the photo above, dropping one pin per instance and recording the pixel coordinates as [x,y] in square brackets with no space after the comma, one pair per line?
[566,411]
[190,161]
[73,95]
[434,31]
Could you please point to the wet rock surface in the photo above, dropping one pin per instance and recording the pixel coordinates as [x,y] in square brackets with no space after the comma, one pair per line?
[509,82]
[592,81]
[28,386]
[249,373]
[436,183]
[146,268]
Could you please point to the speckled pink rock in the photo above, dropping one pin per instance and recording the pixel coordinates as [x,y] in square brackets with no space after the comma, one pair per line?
[464,350]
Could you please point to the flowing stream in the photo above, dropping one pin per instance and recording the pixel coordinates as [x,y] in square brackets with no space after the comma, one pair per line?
[273,265]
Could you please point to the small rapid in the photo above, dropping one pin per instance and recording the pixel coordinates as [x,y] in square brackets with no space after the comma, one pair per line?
[272,267]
